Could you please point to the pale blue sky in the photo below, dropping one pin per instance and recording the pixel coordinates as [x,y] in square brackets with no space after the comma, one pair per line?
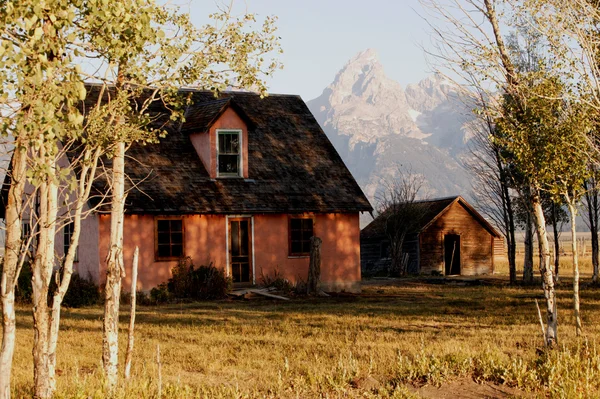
[319,36]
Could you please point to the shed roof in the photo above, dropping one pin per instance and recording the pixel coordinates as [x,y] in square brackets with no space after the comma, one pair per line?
[292,165]
[434,209]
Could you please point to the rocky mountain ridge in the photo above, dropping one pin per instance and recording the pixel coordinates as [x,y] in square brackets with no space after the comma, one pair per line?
[379,127]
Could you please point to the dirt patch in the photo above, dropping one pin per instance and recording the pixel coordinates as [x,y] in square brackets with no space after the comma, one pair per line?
[466,388]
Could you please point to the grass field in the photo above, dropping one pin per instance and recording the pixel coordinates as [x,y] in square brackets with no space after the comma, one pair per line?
[402,334]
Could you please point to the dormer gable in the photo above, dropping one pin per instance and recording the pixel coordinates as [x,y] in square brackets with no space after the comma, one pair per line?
[219,132]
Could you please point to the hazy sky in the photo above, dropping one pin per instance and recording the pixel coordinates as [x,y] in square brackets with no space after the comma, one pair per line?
[319,36]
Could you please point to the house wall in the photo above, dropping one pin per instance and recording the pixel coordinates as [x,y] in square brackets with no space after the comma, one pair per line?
[340,251]
[205,143]
[475,243]
[205,241]
[87,265]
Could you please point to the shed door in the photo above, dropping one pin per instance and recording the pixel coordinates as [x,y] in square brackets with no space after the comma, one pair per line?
[240,250]
[452,254]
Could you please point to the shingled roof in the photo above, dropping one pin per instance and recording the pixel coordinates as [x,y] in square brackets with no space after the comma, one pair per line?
[433,209]
[292,165]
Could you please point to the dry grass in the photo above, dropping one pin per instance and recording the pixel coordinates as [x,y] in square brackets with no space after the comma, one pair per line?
[565,267]
[411,333]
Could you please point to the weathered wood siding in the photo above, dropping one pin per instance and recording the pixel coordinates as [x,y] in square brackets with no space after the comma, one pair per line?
[500,251]
[372,262]
[476,243]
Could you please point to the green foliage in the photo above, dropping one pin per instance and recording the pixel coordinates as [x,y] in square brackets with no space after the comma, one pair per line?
[81,292]
[189,282]
[546,136]
[24,288]
[160,294]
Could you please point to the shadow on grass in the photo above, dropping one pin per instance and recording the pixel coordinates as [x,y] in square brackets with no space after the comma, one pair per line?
[516,305]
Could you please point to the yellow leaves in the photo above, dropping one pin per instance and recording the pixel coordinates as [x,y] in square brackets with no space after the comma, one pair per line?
[75,118]
[29,22]
[81,91]
[38,33]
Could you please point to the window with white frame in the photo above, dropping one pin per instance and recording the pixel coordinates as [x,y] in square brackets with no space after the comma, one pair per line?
[229,153]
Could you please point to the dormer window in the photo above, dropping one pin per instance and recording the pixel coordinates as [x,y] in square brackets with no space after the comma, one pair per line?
[229,153]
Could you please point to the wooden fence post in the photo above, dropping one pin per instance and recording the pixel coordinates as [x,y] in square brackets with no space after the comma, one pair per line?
[129,355]
[314,267]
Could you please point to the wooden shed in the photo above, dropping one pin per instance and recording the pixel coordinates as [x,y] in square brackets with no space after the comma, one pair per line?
[452,239]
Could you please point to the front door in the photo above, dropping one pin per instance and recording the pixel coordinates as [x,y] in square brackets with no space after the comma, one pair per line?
[240,246]
[452,254]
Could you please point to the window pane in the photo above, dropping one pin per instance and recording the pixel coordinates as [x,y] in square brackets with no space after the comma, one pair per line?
[235,144]
[228,164]
[177,250]
[244,237]
[163,238]
[296,224]
[307,234]
[296,235]
[296,247]
[176,225]
[245,272]
[163,225]
[221,143]
[235,238]
[236,272]
[176,238]
[305,247]
[164,250]
[307,224]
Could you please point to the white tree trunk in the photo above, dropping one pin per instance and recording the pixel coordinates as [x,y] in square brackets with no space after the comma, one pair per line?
[129,355]
[546,272]
[43,268]
[114,272]
[573,214]
[10,272]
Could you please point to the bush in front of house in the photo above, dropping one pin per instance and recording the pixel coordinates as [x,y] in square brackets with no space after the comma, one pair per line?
[24,289]
[160,294]
[209,282]
[191,282]
[280,283]
[277,281]
[81,291]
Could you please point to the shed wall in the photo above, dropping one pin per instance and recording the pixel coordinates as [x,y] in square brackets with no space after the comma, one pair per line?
[476,243]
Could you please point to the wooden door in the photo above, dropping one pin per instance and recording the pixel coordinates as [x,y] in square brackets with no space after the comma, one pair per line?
[452,254]
[240,250]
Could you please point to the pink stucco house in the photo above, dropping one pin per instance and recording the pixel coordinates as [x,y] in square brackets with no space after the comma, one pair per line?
[243,183]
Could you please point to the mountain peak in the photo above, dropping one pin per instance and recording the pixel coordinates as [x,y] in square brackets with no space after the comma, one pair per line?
[362,77]
[368,56]
[376,125]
